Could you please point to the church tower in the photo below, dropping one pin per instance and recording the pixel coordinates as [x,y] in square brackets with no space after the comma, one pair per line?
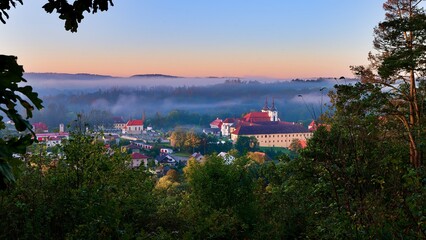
[266,108]
[272,112]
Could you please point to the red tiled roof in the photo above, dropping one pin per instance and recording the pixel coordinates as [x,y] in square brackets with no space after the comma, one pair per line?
[237,130]
[216,122]
[139,156]
[303,143]
[135,123]
[229,120]
[40,126]
[313,126]
[257,117]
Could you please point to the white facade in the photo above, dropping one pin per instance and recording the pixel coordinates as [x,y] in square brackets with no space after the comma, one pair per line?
[226,129]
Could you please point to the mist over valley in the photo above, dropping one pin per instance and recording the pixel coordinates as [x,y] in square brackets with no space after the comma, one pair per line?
[157,95]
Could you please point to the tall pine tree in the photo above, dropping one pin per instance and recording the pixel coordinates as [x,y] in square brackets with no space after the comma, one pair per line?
[399,63]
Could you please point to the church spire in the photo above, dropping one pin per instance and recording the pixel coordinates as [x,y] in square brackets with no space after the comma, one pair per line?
[273,105]
[266,108]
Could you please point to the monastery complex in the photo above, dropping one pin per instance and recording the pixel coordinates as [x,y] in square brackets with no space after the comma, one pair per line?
[265,126]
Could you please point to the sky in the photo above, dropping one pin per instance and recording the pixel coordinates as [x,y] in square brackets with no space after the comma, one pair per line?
[198,38]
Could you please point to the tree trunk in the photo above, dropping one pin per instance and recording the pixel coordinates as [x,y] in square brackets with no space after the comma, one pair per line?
[414,120]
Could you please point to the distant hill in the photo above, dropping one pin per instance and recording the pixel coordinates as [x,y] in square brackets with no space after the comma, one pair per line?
[66,76]
[154,75]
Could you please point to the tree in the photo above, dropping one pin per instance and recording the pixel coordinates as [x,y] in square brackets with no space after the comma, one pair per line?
[11,75]
[177,138]
[91,194]
[72,14]
[219,203]
[192,140]
[295,145]
[245,144]
[400,61]
[12,94]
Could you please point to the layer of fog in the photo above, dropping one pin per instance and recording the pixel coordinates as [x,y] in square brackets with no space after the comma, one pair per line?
[66,95]
[55,83]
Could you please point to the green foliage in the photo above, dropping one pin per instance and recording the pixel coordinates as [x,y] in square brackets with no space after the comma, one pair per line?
[211,144]
[183,139]
[359,188]
[246,144]
[220,203]
[398,64]
[89,194]
[400,39]
[12,96]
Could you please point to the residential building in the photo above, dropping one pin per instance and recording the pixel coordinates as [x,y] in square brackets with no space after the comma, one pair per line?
[217,123]
[134,126]
[119,122]
[226,126]
[138,159]
[40,127]
[52,139]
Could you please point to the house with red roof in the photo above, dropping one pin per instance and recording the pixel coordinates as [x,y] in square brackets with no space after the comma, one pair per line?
[138,159]
[313,126]
[52,139]
[40,127]
[226,126]
[134,126]
[256,117]
[217,123]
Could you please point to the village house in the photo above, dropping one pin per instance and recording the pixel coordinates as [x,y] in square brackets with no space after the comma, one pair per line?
[134,127]
[166,159]
[138,159]
[52,139]
[143,145]
[119,123]
[217,123]
[40,127]
[197,156]
[226,126]
[212,131]
[166,150]
[226,157]
[132,147]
